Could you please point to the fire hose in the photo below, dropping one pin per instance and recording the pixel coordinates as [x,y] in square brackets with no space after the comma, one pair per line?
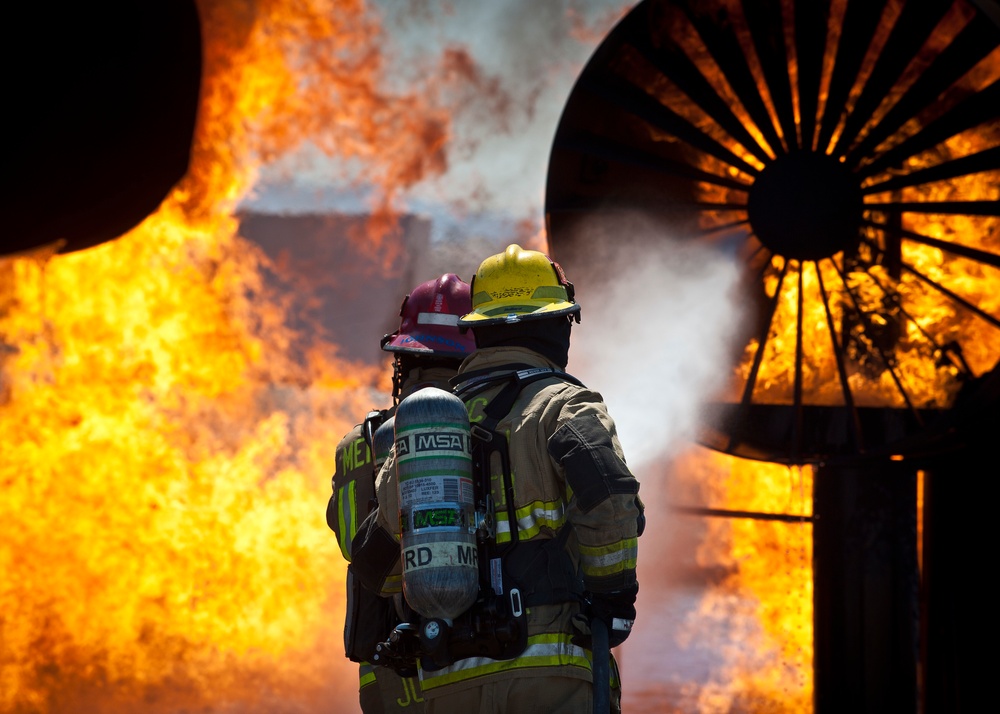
[601,653]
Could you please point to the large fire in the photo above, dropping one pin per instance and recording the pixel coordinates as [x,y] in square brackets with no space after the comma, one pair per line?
[167,438]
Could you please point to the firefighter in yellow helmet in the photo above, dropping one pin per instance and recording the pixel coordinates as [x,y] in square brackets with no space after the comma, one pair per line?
[427,349]
[566,507]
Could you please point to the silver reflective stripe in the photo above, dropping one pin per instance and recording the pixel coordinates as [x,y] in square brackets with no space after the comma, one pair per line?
[552,517]
[603,561]
[621,625]
[437,318]
[525,373]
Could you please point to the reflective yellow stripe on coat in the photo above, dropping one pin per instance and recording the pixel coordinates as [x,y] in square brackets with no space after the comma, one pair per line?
[347,517]
[602,561]
[531,519]
[367,674]
[543,650]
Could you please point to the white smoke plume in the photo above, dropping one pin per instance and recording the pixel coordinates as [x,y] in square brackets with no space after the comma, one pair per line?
[660,317]
[661,324]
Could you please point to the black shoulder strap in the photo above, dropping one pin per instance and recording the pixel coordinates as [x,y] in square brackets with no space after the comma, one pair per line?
[372,422]
[468,385]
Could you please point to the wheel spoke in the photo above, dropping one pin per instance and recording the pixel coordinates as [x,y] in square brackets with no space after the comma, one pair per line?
[673,63]
[987,160]
[911,30]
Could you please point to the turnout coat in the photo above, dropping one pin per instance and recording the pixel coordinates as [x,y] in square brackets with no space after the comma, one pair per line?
[568,471]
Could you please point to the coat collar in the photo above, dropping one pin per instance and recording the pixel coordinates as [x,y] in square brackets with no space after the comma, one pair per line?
[498,357]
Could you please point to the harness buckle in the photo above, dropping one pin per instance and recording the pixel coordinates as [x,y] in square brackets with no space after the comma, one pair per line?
[481,434]
[516,608]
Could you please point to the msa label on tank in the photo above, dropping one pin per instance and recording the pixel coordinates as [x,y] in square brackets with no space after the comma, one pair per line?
[440,555]
[442,441]
[430,489]
[434,517]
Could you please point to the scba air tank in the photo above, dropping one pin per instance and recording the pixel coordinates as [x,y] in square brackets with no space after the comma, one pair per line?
[436,504]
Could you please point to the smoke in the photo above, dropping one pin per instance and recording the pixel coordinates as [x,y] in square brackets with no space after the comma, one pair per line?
[500,72]
[659,320]
[659,334]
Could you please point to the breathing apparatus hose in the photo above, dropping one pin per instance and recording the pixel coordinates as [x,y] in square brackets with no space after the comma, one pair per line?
[601,653]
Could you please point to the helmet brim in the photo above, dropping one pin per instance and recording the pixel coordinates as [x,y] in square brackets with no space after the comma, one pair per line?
[431,343]
[505,314]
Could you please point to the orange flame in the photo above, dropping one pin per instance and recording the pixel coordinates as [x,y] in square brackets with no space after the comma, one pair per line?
[760,611]
[167,436]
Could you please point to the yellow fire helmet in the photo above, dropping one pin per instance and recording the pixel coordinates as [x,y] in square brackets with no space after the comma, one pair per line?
[519,285]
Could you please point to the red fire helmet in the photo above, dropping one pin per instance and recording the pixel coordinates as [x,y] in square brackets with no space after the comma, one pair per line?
[430,320]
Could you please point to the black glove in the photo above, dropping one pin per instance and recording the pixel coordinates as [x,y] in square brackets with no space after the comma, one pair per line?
[617,611]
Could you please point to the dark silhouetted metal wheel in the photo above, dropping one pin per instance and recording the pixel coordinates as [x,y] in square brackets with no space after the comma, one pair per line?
[847,153]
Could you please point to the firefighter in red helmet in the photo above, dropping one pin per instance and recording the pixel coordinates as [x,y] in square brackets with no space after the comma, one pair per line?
[427,348]
[565,519]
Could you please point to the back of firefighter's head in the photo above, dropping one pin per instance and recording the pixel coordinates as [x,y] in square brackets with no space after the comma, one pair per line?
[428,334]
[522,298]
